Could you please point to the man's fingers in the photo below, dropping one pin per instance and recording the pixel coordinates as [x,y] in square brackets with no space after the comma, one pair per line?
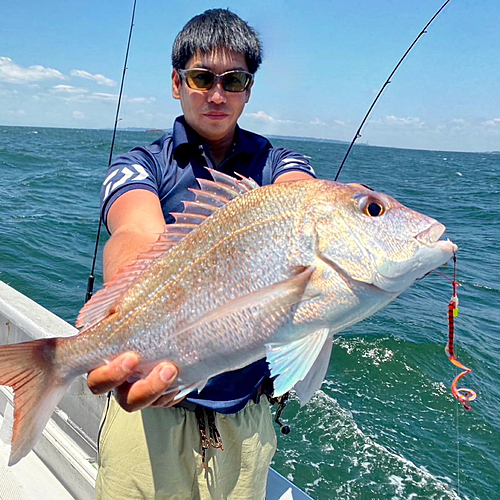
[137,395]
[144,392]
[165,401]
[107,377]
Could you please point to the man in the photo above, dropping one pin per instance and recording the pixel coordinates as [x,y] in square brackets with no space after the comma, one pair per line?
[157,452]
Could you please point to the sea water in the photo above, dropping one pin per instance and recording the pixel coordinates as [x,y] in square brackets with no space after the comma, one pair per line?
[384,425]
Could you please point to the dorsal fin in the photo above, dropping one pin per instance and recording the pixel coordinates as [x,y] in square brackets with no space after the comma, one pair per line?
[208,199]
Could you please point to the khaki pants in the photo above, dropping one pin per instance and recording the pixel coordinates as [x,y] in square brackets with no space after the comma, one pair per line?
[156,454]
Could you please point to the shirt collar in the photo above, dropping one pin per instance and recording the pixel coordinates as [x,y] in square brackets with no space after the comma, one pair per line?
[185,138]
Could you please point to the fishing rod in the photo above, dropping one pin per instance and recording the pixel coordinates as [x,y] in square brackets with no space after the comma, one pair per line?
[357,135]
[463,395]
[90,282]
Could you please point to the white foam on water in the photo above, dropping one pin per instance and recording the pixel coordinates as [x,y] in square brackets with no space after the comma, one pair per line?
[367,465]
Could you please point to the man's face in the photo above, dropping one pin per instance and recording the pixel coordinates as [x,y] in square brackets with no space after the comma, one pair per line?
[212,113]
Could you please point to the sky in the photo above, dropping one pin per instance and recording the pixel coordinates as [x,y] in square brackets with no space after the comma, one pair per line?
[61,62]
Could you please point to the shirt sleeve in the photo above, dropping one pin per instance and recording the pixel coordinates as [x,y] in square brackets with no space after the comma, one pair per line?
[133,170]
[281,160]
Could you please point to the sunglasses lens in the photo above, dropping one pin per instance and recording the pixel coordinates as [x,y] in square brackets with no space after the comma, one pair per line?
[236,81]
[203,79]
[200,80]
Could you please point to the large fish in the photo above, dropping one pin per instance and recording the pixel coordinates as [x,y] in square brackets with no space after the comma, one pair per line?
[245,272]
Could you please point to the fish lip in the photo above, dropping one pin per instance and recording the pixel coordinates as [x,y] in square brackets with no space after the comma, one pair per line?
[430,238]
[431,235]
[447,246]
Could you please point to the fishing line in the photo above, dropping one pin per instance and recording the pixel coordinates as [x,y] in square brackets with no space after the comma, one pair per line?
[357,135]
[458,451]
[91,279]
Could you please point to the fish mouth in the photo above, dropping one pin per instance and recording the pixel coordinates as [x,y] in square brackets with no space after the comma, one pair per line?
[430,238]
[396,276]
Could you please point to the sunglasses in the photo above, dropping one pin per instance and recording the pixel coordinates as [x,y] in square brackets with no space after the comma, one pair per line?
[203,79]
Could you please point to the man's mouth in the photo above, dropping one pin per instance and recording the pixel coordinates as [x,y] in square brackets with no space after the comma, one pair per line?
[215,115]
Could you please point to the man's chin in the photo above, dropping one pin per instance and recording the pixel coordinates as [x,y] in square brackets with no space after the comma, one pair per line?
[216,130]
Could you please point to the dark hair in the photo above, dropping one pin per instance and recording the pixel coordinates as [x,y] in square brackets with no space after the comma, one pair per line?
[217,29]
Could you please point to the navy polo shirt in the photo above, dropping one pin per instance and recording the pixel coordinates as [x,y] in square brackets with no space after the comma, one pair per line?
[168,168]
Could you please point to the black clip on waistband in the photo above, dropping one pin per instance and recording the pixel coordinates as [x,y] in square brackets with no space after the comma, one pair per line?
[281,401]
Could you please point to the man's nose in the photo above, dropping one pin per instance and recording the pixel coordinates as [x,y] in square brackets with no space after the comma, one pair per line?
[217,94]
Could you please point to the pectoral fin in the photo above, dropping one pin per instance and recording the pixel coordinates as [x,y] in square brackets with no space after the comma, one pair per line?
[306,388]
[301,364]
[185,390]
[264,310]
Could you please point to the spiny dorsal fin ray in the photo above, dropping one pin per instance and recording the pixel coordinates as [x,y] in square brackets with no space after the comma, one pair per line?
[212,196]
[248,182]
[242,185]
[182,217]
[209,198]
[219,189]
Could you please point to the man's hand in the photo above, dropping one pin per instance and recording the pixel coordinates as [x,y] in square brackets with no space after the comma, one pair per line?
[134,396]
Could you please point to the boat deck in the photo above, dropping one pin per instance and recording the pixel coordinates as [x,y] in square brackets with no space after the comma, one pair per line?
[29,479]
[63,463]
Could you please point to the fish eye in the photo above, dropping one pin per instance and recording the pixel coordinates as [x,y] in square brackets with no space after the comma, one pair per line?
[371,206]
[374,209]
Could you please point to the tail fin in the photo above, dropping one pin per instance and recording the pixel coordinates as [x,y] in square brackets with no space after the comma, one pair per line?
[28,369]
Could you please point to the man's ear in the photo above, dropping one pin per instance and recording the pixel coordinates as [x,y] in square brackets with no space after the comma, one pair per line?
[176,84]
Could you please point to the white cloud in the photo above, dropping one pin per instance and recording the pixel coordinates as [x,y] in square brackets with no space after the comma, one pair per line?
[8,93]
[100,79]
[69,89]
[101,96]
[394,121]
[142,100]
[261,116]
[13,73]
[495,122]
[317,121]
[79,94]
[460,125]
[78,115]
[264,117]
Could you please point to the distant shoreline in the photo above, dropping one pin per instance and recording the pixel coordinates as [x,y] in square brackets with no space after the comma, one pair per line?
[271,136]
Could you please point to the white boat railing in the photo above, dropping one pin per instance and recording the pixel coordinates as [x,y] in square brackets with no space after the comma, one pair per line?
[68,444]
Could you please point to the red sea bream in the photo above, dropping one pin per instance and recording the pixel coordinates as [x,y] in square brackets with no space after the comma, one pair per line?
[245,272]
